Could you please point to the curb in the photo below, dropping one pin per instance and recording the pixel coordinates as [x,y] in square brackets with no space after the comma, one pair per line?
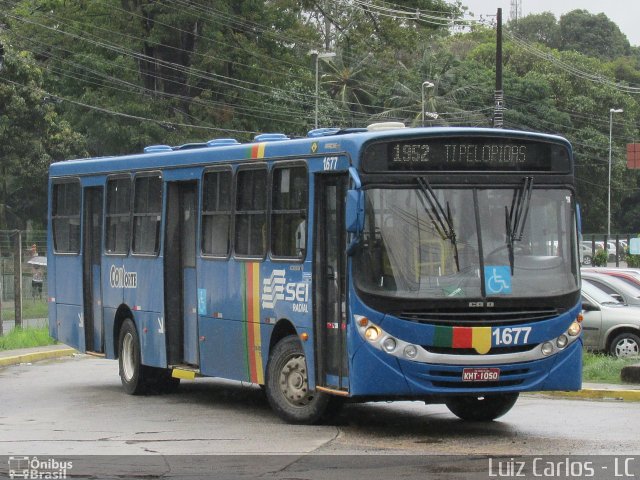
[36,356]
[598,394]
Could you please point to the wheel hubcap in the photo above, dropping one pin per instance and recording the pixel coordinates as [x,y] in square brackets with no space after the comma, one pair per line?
[127,357]
[627,348]
[293,381]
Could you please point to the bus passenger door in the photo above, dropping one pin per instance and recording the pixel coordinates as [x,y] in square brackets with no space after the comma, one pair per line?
[91,260]
[181,319]
[330,283]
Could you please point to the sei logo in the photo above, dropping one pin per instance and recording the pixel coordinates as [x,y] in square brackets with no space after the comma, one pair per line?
[275,288]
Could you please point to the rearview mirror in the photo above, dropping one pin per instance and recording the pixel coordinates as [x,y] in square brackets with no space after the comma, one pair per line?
[618,297]
[588,307]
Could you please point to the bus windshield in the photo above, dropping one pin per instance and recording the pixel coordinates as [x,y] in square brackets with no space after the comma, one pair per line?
[447,242]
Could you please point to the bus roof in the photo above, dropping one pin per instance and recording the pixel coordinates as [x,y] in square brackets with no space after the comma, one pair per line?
[320,142]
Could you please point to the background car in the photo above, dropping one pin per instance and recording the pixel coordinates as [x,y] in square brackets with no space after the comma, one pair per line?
[611,248]
[629,275]
[614,286]
[585,254]
[609,325]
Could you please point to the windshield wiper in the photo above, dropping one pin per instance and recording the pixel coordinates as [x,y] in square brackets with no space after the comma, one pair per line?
[516,217]
[441,220]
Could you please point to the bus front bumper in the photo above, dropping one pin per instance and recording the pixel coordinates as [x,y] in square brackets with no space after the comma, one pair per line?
[377,374]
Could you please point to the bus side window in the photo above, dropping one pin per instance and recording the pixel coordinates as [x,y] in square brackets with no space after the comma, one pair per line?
[66,217]
[118,219]
[289,212]
[251,212]
[147,206]
[216,213]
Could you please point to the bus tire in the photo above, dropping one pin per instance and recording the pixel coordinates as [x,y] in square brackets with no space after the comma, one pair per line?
[133,374]
[481,408]
[287,388]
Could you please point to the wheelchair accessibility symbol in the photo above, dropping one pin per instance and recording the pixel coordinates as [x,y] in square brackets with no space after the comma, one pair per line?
[497,280]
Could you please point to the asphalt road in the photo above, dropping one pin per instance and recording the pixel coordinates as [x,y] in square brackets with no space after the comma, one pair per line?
[76,406]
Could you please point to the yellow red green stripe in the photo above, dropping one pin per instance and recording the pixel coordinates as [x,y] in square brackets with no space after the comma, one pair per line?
[257,150]
[251,306]
[478,338]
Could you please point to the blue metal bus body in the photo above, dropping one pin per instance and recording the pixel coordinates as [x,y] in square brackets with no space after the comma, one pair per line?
[235,308]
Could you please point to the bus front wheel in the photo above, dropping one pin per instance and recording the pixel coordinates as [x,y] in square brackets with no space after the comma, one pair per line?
[287,386]
[481,408]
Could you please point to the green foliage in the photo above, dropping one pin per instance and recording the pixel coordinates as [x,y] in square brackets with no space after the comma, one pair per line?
[30,309]
[603,368]
[540,28]
[633,261]
[26,338]
[32,135]
[600,258]
[593,35]
[108,77]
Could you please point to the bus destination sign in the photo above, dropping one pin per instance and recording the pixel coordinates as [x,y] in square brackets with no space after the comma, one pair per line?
[466,154]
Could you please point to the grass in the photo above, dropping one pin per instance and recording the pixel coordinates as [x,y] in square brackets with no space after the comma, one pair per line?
[26,338]
[30,309]
[600,368]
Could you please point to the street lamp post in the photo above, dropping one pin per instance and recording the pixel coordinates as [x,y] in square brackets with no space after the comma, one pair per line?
[425,84]
[611,112]
[318,55]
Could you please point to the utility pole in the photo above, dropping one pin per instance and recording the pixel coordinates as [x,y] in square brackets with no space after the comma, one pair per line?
[1,269]
[498,118]
[516,10]
[17,277]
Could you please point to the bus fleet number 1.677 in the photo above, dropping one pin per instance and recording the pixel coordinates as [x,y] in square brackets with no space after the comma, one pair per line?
[511,335]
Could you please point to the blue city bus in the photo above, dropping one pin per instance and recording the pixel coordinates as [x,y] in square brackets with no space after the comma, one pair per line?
[362,264]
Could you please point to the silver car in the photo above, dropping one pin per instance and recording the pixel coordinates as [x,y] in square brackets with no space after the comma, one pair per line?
[616,287]
[609,325]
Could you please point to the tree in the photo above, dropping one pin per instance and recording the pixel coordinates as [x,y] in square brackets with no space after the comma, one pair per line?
[32,135]
[539,28]
[592,35]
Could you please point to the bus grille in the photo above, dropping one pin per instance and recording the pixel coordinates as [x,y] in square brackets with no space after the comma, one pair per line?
[484,317]
[471,351]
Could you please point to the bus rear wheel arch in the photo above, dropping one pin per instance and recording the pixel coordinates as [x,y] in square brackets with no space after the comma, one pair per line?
[484,408]
[287,386]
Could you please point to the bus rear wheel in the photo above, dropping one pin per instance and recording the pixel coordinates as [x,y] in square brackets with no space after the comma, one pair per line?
[132,372]
[138,379]
[481,408]
[287,386]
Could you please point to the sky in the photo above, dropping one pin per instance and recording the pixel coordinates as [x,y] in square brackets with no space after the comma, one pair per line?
[625,13]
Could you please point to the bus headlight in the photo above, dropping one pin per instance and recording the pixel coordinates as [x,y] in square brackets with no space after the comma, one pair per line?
[389,344]
[410,351]
[547,348]
[562,341]
[574,329]
[372,333]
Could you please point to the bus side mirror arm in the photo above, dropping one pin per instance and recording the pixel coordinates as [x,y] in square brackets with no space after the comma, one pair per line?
[354,211]
[354,218]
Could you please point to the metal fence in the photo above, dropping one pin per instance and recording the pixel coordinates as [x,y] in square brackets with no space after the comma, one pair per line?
[617,245]
[33,243]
